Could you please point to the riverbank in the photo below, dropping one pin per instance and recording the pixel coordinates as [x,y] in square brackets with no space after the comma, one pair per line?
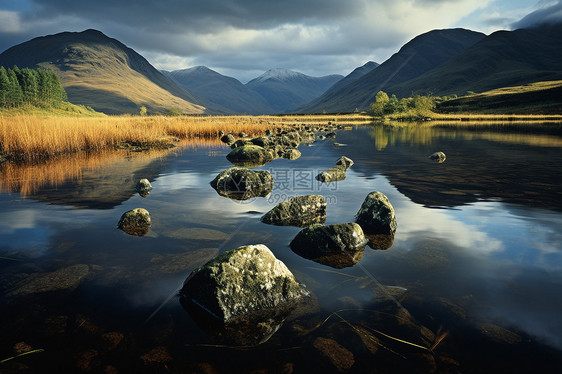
[35,137]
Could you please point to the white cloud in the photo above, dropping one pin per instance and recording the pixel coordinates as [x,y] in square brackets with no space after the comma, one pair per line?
[10,22]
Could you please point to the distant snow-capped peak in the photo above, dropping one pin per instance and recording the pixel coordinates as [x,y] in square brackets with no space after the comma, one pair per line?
[279,73]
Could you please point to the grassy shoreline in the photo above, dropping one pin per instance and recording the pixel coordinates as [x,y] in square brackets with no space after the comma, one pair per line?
[25,137]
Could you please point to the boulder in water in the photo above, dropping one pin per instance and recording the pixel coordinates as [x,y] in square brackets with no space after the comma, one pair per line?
[241,183]
[337,173]
[299,211]
[249,155]
[333,243]
[345,162]
[376,215]
[228,139]
[246,293]
[144,187]
[135,222]
[438,156]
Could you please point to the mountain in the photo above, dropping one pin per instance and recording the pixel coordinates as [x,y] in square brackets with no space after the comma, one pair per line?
[285,90]
[416,57]
[351,77]
[221,90]
[354,75]
[103,73]
[503,59]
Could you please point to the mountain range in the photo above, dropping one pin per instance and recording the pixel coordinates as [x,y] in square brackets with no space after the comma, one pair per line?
[419,55]
[275,91]
[103,73]
[447,62]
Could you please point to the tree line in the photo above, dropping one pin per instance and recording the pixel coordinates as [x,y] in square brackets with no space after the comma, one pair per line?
[385,105]
[37,87]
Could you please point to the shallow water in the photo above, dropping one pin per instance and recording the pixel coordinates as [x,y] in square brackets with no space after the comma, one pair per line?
[475,268]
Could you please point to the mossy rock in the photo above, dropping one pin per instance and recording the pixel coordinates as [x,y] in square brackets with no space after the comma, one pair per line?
[299,211]
[241,183]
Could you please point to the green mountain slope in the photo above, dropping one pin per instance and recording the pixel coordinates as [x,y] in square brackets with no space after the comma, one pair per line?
[103,73]
[531,98]
[416,57]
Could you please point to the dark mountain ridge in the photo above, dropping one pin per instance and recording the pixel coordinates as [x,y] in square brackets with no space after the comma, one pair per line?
[503,59]
[423,53]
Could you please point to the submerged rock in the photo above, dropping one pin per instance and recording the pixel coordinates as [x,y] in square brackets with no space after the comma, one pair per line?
[249,155]
[65,279]
[438,156]
[299,211]
[376,215]
[144,187]
[241,183]
[380,241]
[337,355]
[245,294]
[339,245]
[135,222]
[337,173]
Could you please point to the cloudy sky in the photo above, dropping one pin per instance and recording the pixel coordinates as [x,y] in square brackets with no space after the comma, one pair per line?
[244,38]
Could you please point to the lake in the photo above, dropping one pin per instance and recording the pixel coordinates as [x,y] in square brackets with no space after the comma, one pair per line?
[472,281]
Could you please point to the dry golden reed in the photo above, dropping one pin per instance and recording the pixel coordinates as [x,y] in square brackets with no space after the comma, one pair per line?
[29,137]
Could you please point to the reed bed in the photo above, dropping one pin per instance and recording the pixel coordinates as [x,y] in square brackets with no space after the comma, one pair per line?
[35,137]
[38,137]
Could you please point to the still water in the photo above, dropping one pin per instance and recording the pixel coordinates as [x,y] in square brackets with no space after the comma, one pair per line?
[471,283]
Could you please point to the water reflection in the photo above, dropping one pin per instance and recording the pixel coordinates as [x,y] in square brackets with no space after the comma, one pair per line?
[477,252]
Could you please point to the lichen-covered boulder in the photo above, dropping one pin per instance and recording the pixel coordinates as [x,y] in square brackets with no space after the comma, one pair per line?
[241,143]
[376,215]
[249,155]
[242,282]
[291,154]
[299,211]
[228,139]
[135,222]
[318,241]
[263,141]
[144,187]
[307,137]
[345,162]
[438,156]
[337,173]
[241,183]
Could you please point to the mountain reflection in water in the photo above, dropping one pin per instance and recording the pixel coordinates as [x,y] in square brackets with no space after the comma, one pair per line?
[473,273]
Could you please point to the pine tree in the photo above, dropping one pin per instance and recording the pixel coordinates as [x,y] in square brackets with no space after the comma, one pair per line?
[4,87]
[29,86]
[15,92]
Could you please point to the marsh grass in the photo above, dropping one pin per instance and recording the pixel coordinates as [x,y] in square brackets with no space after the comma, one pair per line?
[38,137]
[32,137]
